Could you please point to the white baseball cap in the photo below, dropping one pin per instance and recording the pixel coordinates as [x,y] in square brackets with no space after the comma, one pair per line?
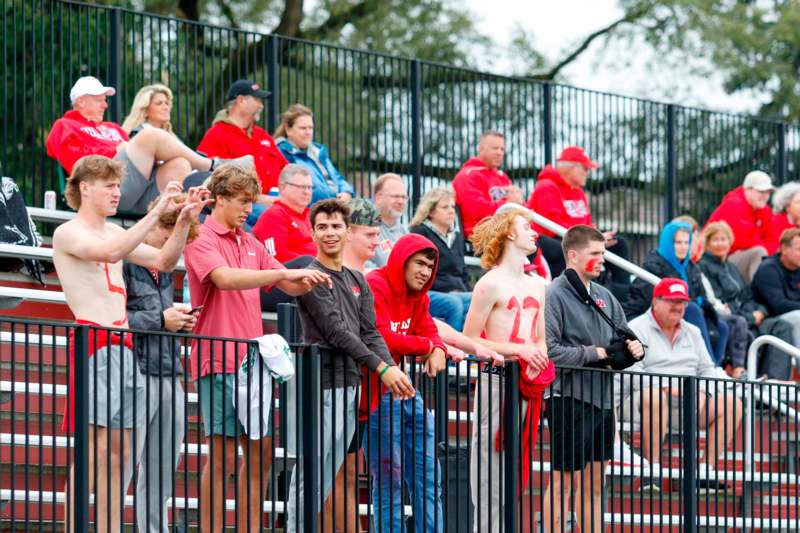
[91,86]
[759,181]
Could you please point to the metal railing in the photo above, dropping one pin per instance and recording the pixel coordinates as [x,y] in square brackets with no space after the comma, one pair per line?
[378,113]
[722,482]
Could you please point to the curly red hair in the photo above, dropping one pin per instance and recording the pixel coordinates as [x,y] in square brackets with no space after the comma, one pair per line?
[489,236]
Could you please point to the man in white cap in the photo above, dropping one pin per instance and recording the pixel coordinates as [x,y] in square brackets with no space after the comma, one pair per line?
[152,159]
[747,212]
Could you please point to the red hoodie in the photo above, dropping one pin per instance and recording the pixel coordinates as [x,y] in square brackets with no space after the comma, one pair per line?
[779,224]
[401,316]
[480,190]
[74,136]
[555,199]
[750,227]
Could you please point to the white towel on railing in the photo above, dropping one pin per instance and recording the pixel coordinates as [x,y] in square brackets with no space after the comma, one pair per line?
[254,390]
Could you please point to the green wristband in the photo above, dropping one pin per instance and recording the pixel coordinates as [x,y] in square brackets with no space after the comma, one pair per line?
[382,372]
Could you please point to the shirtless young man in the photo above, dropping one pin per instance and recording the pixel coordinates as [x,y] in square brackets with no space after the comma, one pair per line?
[88,254]
[508,309]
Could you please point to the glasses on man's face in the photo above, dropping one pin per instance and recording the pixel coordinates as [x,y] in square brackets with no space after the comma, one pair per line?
[301,187]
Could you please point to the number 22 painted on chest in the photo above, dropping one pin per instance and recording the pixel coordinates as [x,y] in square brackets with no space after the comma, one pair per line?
[527,303]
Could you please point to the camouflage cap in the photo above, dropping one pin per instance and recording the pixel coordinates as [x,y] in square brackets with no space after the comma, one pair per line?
[363,212]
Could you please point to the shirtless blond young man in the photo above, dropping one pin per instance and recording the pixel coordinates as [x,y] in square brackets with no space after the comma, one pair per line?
[507,316]
[88,253]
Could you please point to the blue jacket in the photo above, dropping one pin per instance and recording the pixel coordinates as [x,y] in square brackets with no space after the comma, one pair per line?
[316,159]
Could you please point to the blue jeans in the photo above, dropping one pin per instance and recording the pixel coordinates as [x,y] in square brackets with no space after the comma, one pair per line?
[400,446]
[451,307]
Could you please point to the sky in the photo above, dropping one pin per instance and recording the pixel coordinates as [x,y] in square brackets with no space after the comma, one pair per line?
[558,25]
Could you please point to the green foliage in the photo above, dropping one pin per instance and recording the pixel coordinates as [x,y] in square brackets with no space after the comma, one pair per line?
[754,44]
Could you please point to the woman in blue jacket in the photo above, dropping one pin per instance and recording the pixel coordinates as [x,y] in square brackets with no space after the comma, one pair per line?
[295,136]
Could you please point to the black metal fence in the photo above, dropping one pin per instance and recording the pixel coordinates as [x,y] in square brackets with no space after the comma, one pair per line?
[672,455]
[378,113]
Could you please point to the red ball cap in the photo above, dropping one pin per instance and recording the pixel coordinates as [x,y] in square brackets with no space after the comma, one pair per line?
[576,154]
[672,289]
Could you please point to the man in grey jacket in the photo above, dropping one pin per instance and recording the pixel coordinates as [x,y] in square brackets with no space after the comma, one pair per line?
[341,319]
[580,410]
[159,438]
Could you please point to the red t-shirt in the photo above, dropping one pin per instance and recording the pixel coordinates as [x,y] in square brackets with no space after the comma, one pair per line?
[229,141]
[74,136]
[286,234]
[227,313]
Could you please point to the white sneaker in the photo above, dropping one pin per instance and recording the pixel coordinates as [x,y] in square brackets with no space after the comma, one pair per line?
[625,456]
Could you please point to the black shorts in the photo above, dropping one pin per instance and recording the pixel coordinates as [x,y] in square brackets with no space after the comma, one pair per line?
[580,433]
[358,438]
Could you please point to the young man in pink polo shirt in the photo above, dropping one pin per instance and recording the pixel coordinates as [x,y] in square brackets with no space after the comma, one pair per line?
[227,268]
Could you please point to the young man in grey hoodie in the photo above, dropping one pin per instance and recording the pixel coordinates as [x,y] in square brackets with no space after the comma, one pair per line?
[581,409]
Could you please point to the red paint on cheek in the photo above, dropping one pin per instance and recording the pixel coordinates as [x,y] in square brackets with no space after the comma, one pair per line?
[591,264]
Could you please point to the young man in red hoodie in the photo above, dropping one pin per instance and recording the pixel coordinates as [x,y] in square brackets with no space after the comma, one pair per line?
[559,196]
[400,443]
[152,159]
[480,186]
[746,211]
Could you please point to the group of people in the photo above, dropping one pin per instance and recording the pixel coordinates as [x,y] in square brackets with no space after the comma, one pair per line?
[371,291]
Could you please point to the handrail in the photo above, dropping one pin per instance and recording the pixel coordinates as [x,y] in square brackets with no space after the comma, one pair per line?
[611,257]
[46,254]
[50,215]
[752,369]
[60,216]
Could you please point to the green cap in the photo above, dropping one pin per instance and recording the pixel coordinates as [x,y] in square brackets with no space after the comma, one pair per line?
[364,213]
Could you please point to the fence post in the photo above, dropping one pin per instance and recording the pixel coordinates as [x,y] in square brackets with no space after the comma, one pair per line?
[309,398]
[511,449]
[780,171]
[689,454]
[272,103]
[287,328]
[115,63]
[672,170]
[415,87]
[547,121]
[80,414]
[440,399]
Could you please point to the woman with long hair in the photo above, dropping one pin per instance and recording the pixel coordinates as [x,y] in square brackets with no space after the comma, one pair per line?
[152,107]
[295,139]
[450,294]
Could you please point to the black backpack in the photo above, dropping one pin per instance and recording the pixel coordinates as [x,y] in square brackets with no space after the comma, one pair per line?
[16,227]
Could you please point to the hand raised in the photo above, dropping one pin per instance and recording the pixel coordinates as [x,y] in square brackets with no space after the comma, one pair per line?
[196,200]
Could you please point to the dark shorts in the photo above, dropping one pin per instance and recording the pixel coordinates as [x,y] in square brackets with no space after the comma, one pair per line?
[580,433]
[358,438]
[136,191]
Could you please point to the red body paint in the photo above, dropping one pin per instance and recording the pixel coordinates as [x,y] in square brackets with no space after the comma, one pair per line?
[527,303]
[119,290]
[591,264]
